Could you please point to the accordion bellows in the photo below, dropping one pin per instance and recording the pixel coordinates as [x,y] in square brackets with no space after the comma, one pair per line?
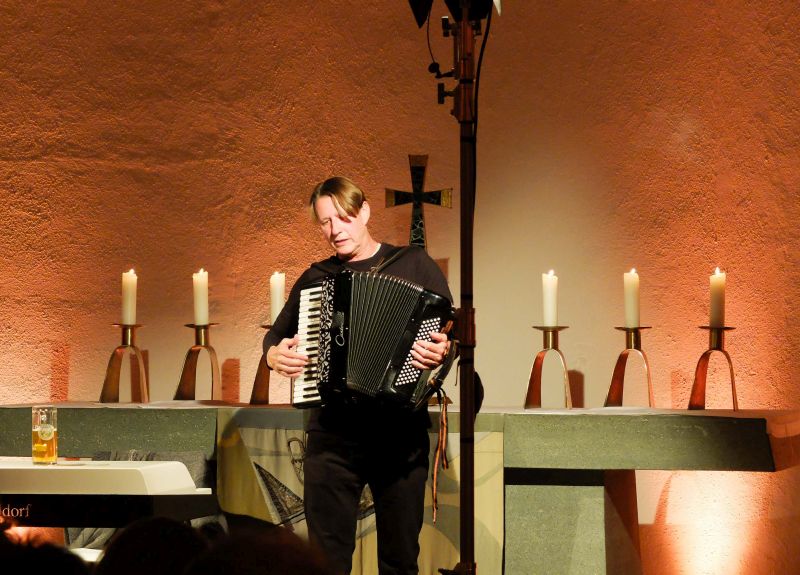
[357,329]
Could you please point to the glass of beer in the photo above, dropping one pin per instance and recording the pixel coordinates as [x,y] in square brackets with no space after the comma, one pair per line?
[44,434]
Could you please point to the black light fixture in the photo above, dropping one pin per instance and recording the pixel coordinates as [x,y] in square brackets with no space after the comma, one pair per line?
[478,9]
[421,9]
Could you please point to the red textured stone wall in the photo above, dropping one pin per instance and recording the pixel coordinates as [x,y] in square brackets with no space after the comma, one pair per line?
[661,136]
[173,136]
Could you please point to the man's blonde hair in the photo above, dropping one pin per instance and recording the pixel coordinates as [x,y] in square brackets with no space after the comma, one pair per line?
[347,197]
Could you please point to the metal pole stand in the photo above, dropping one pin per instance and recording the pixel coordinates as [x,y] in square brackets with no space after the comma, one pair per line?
[716,342]
[188,382]
[139,392]
[550,343]
[260,393]
[633,344]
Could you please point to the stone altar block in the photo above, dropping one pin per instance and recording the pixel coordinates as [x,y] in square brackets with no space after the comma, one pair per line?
[569,475]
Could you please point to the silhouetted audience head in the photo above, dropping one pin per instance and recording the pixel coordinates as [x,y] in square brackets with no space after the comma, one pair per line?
[153,546]
[25,558]
[161,546]
[274,552]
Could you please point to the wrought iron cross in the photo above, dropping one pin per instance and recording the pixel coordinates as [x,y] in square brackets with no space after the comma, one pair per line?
[418,197]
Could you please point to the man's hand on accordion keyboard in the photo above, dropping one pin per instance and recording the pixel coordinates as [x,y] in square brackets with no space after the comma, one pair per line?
[283,358]
[430,354]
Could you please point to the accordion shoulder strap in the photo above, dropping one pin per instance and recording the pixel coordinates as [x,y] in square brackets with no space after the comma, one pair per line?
[385,261]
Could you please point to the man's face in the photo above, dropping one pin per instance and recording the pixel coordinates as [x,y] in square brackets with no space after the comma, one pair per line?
[346,234]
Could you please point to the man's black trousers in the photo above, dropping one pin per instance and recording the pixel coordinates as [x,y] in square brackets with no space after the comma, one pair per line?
[394,463]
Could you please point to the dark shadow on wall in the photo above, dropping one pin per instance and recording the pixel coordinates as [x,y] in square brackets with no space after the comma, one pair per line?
[576,388]
[231,380]
[59,371]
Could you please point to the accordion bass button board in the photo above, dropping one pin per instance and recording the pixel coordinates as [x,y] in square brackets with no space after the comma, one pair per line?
[357,329]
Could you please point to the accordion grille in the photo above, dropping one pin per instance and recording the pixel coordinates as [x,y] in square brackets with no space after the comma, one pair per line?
[380,308]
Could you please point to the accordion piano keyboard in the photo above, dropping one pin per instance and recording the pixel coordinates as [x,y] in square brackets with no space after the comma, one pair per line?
[305,390]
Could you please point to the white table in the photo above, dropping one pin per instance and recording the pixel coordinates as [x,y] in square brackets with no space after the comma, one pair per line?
[99,493]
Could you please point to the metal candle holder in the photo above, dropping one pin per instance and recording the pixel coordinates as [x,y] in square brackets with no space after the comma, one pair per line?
[188,382]
[139,392]
[549,343]
[716,342]
[260,393]
[633,344]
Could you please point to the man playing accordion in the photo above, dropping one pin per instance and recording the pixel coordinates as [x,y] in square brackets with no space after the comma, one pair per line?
[352,444]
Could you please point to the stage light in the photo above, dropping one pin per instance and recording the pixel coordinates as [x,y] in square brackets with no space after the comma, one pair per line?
[421,9]
[478,9]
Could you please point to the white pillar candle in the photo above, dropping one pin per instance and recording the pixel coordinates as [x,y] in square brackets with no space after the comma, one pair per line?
[200,284]
[277,288]
[630,282]
[717,308]
[550,299]
[129,298]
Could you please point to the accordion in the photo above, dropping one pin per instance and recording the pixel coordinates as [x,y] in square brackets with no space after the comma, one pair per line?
[357,329]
